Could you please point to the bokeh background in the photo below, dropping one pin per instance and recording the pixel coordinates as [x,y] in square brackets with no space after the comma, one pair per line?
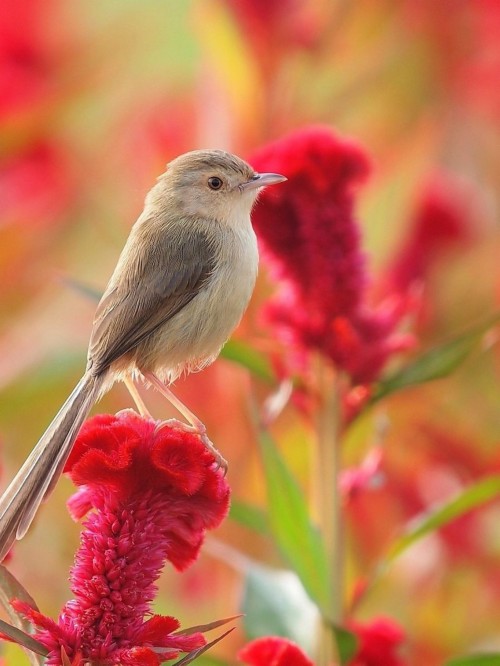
[96,97]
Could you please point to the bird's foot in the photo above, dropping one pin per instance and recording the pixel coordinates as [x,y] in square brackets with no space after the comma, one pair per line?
[201,431]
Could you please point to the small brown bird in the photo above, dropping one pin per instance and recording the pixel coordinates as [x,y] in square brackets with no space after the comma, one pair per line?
[181,285]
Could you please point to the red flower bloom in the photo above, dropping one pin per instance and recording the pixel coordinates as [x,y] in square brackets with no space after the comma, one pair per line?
[154,491]
[441,222]
[126,458]
[378,643]
[312,243]
[273,651]
[25,60]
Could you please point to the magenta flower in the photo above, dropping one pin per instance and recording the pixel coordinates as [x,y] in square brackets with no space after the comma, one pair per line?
[273,651]
[367,475]
[26,55]
[311,240]
[441,222]
[153,492]
[379,642]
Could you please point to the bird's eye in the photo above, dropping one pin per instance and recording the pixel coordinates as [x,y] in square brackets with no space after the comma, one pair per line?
[214,183]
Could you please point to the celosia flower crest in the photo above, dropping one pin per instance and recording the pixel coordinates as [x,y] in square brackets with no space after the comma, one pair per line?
[151,491]
[311,240]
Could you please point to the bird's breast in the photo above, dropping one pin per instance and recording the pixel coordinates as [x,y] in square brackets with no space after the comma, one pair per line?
[194,336]
[231,285]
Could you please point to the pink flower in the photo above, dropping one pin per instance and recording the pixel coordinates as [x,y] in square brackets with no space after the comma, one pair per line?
[311,240]
[273,651]
[152,492]
[379,641]
[355,480]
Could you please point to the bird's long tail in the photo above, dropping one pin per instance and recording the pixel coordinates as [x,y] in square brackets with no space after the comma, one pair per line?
[44,465]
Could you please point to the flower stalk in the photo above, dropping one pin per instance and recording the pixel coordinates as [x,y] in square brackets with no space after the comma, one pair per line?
[328,469]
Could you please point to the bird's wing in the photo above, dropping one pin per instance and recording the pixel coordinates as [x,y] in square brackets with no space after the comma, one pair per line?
[156,283]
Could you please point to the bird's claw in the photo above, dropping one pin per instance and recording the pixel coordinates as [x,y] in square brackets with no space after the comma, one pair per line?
[220,461]
[175,424]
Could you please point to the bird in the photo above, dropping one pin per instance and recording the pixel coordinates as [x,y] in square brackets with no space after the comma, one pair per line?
[181,285]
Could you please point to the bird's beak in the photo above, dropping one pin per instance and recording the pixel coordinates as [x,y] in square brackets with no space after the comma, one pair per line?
[262,180]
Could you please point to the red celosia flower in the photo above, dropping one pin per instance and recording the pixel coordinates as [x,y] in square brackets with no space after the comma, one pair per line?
[25,59]
[312,243]
[273,651]
[440,223]
[154,492]
[379,641]
[378,644]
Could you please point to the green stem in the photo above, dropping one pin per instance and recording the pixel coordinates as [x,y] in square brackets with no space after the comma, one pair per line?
[329,500]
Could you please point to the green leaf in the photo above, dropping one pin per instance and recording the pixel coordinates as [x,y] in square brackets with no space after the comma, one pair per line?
[472,497]
[192,656]
[249,516]
[436,363]
[275,603]
[241,353]
[11,588]
[26,641]
[298,539]
[476,660]
[347,644]
[208,626]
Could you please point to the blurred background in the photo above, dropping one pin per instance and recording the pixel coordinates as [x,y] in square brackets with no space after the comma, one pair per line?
[95,99]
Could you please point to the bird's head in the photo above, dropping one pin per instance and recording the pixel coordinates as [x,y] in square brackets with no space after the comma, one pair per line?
[215,184]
